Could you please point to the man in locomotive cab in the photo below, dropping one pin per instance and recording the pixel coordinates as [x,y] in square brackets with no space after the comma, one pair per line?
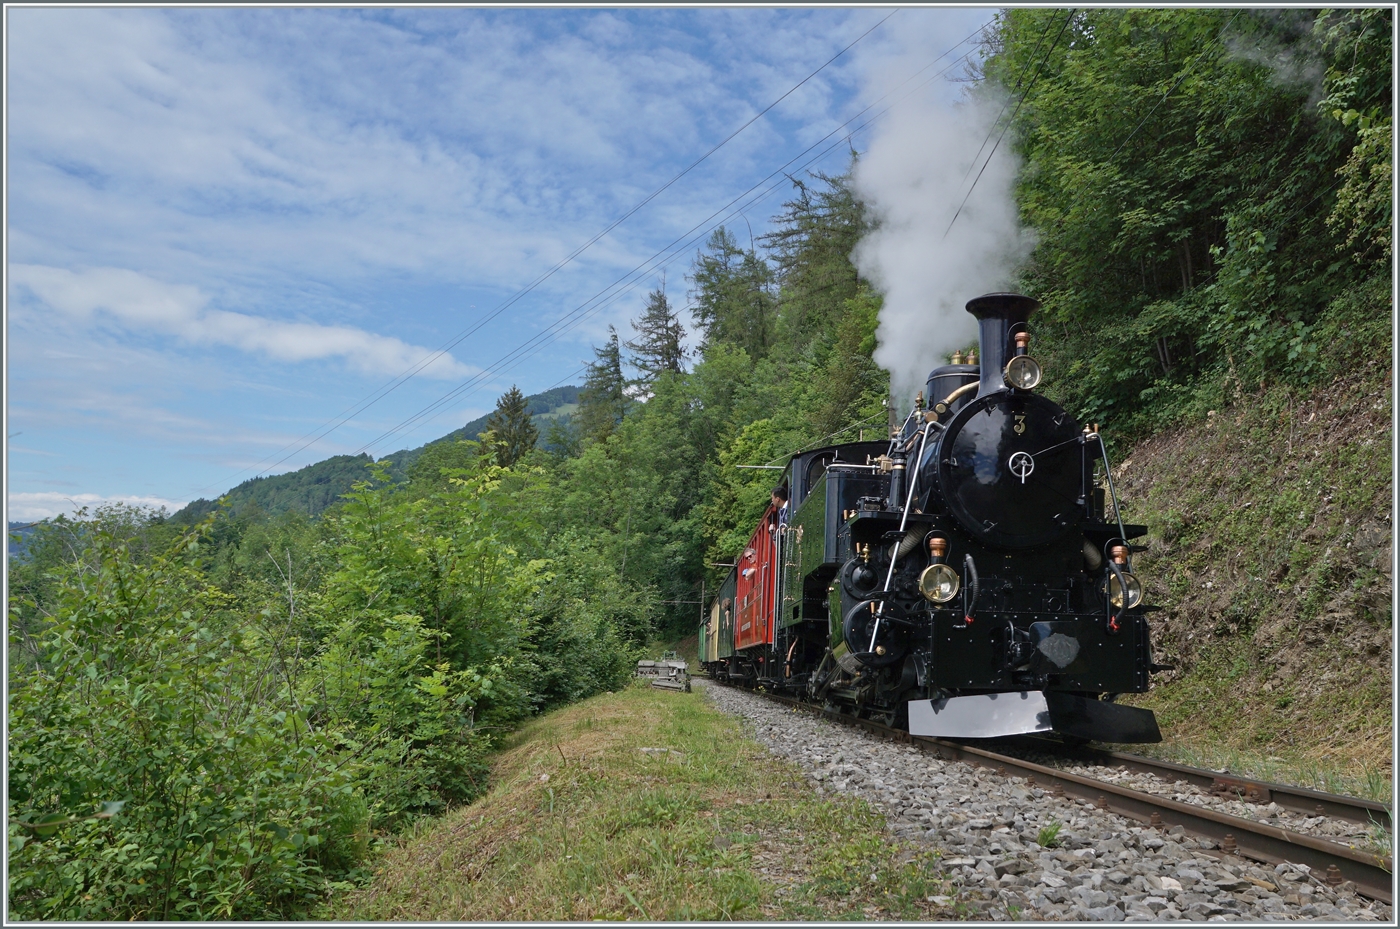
[780,507]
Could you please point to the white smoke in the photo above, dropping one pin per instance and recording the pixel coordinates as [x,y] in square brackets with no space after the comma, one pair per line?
[920,165]
[1290,49]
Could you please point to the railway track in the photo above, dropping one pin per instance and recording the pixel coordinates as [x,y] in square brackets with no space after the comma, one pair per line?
[1234,835]
[1299,800]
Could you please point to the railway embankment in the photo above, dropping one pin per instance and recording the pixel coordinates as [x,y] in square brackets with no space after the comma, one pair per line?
[1009,849]
[1270,553]
[649,804]
[721,804]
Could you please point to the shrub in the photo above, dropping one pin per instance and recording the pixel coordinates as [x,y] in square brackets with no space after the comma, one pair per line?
[145,691]
[408,722]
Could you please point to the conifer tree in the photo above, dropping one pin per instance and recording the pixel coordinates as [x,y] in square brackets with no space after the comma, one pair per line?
[659,346]
[734,295]
[603,400]
[513,431]
[810,248]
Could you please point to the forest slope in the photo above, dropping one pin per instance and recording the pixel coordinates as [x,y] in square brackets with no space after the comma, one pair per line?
[1215,283]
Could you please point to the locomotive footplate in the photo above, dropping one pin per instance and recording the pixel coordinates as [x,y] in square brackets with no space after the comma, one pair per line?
[991,716]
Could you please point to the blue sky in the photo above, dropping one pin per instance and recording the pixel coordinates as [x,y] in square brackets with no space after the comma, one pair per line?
[226,227]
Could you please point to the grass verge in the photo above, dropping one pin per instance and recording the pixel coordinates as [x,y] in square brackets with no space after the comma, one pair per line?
[648,804]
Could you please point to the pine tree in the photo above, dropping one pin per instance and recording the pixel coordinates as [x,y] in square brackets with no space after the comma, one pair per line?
[603,400]
[659,346]
[513,432]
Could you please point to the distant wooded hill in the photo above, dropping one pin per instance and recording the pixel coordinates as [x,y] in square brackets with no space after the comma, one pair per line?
[551,406]
[317,486]
[18,536]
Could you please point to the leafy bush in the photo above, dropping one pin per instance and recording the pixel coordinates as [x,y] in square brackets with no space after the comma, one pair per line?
[1188,259]
[145,690]
[586,634]
[407,722]
[261,696]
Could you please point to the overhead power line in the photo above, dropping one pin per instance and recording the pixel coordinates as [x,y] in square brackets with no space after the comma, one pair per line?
[1049,21]
[572,319]
[604,298]
[1170,90]
[814,443]
[355,409]
[1012,120]
[564,380]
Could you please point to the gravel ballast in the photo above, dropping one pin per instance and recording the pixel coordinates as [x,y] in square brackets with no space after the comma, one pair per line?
[1102,866]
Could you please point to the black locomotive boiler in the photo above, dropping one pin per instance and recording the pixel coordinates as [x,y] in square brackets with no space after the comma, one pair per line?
[961,580]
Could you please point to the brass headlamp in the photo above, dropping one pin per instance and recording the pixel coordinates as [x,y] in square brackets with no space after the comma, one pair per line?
[1119,554]
[1022,372]
[938,582]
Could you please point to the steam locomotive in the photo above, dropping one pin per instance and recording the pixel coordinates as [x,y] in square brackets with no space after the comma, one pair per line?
[962,580]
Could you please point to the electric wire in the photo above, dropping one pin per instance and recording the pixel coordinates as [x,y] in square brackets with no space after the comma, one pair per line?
[1049,21]
[582,312]
[666,254]
[560,383]
[566,323]
[1169,92]
[398,381]
[1010,121]
[570,321]
[813,444]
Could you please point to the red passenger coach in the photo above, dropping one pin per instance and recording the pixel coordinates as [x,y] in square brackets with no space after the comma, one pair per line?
[757,587]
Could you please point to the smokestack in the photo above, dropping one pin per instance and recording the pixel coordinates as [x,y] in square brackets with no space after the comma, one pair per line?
[996,314]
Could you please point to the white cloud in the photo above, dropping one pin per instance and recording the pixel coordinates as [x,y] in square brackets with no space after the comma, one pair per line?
[31,507]
[137,413]
[142,302]
[472,146]
[206,202]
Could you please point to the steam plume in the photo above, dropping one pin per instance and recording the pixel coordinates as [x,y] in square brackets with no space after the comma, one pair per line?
[913,179]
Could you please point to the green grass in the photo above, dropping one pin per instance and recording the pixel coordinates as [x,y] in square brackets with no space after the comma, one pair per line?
[583,824]
[1373,784]
[1049,836]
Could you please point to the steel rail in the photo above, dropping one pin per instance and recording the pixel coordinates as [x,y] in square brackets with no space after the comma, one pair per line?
[1297,799]
[1330,861]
